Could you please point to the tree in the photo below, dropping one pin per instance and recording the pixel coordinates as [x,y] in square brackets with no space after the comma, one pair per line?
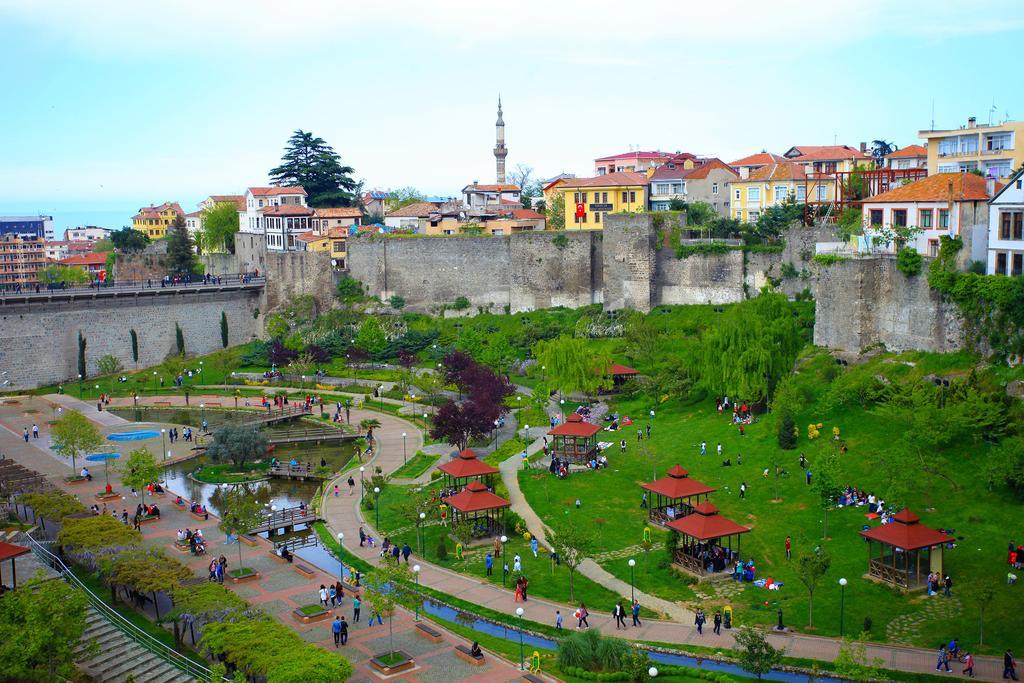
[240,513]
[181,257]
[555,212]
[699,214]
[349,289]
[135,345]
[811,566]
[368,425]
[754,652]
[386,589]
[881,148]
[787,431]
[828,484]
[312,164]
[983,596]
[371,337]
[68,275]
[41,624]
[128,240]
[81,356]
[220,223]
[573,365]
[53,504]
[139,470]
[237,443]
[572,542]
[109,364]
[224,329]
[74,435]
[145,570]
[457,423]
[179,339]
[85,536]
[852,662]
[199,604]
[403,196]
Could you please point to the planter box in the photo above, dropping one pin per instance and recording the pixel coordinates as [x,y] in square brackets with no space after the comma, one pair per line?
[242,579]
[322,615]
[75,480]
[183,505]
[198,515]
[304,570]
[249,540]
[148,520]
[182,547]
[277,557]
[157,494]
[401,666]
[104,497]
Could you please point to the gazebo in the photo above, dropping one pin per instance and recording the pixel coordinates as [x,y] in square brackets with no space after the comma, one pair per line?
[464,468]
[673,496]
[9,551]
[702,534]
[905,540]
[479,507]
[620,373]
[574,440]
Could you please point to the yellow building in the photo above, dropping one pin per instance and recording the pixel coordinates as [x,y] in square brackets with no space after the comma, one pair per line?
[311,241]
[155,221]
[589,200]
[996,150]
[773,184]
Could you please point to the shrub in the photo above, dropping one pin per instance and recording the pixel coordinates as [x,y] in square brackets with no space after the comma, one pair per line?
[396,301]
[787,432]
[867,624]
[908,261]
[461,304]
[560,241]
[829,259]
[789,270]
[442,550]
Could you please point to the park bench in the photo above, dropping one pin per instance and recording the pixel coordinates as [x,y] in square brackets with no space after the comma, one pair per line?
[530,678]
[278,558]
[249,539]
[304,570]
[462,652]
[431,634]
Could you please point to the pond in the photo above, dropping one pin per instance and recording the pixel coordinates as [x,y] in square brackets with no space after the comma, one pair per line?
[279,492]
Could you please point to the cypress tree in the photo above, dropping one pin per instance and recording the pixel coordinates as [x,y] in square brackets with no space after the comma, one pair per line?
[179,339]
[81,354]
[135,345]
[224,329]
[787,432]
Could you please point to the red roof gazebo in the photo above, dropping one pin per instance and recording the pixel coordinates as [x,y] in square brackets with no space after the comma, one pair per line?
[9,551]
[464,468]
[672,495]
[906,540]
[479,507]
[620,373]
[574,440]
[702,532]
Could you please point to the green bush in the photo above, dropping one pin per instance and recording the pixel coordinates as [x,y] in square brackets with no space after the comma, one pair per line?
[560,241]
[908,261]
[829,259]
[442,550]
[704,249]
[789,270]
[461,304]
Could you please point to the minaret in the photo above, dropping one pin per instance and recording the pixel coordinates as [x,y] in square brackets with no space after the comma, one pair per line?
[499,146]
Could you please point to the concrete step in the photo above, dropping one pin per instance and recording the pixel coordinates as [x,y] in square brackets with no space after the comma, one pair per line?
[117,656]
[168,673]
[141,662]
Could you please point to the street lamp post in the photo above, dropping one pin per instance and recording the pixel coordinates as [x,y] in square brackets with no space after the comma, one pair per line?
[416,574]
[404,461]
[842,605]
[561,403]
[632,590]
[419,532]
[504,560]
[270,521]
[163,442]
[202,414]
[522,661]
[495,435]
[652,672]
[80,386]
[154,381]
[341,560]
[376,505]
[97,391]
[362,491]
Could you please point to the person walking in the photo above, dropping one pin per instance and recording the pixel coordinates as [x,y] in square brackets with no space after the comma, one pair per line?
[351,486]
[339,590]
[332,593]
[222,567]
[943,659]
[356,605]
[558,620]
[517,564]
[35,431]
[26,435]
[344,631]
[643,501]
[323,595]
[968,665]
[620,616]
[406,552]
[719,449]
[947,587]
[335,490]
[362,537]
[533,545]
[718,623]
[703,447]
[789,549]
[336,630]
[582,615]
[743,489]
[636,613]
[807,475]
[1009,665]
[699,620]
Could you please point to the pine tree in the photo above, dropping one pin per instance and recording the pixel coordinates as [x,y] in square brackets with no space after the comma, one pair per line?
[81,355]
[224,329]
[787,432]
[135,345]
[311,163]
[179,339]
[181,259]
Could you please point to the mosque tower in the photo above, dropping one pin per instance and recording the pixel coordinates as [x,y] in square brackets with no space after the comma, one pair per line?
[500,152]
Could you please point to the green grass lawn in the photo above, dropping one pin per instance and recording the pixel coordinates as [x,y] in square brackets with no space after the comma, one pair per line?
[310,610]
[985,520]
[417,465]
[227,473]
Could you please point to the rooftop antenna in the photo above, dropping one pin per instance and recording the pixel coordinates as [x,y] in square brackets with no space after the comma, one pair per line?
[991,110]
[933,114]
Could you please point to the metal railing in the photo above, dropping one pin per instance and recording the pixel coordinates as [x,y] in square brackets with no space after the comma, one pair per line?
[132,286]
[130,630]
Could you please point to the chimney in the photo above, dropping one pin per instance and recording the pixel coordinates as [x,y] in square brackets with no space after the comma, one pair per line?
[972,122]
[990,187]
[863,147]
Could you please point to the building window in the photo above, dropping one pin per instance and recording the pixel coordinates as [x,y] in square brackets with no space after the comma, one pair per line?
[998,141]
[781,193]
[801,193]
[597,217]
[933,248]
[1001,263]
[1018,264]
[714,188]
[822,191]
[632,197]
[1018,225]
[737,195]
[753,194]
[753,216]
[604,197]
[944,219]
[924,218]
[899,217]
[876,216]
[1005,220]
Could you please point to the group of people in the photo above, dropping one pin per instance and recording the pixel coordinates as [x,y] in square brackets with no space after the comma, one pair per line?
[699,619]
[197,509]
[217,568]
[173,435]
[195,540]
[393,551]
[619,613]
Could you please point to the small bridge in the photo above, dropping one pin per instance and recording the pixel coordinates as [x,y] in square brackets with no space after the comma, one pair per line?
[285,519]
[301,472]
[309,434]
[281,414]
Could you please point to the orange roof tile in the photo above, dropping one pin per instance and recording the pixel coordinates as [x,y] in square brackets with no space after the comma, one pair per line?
[414,210]
[706,524]
[941,187]
[97,258]
[504,187]
[780,170]
[237,199]
[338,212]
[310,237]
[909,151]
[825,153]
[618,179]
[276,191]
[338,231]
[699,172]
[907,532]
[636,155]
[759,159]
[526,214]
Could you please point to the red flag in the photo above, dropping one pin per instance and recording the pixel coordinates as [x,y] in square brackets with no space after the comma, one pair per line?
[581,210]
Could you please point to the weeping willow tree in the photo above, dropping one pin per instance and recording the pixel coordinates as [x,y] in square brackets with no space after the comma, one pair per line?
[573,366]
[752,347]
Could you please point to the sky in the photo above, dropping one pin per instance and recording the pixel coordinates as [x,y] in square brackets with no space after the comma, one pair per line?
[111,105]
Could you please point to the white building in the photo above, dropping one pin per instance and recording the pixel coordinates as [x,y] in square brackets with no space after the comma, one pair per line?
[89,233]
[477,196]
[911,156]
[1006,229]
[257,199]
[409,217]
[951,204]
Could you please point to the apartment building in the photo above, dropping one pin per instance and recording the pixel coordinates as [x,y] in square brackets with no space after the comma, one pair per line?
[996,150]
[1006,229]
[21,259]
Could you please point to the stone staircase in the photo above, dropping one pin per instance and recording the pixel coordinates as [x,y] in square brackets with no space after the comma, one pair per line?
[117,656]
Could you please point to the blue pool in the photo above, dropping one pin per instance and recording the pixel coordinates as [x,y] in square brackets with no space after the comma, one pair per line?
[133,436]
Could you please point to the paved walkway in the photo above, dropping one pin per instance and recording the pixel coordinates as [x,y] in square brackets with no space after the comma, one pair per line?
[280,589]
[342,514]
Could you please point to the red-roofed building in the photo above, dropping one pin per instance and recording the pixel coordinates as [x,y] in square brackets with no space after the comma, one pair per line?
[911,156]
[9,551]
[479,196]
[952,204]
[701,551]
[482,510]
[574,440]
[93,263]
[688,179]
[673,496]
[830,158]
[336,217]
[903,542]
[753,162]
[279,227]
[155,221]
[466,467]
[638,162]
